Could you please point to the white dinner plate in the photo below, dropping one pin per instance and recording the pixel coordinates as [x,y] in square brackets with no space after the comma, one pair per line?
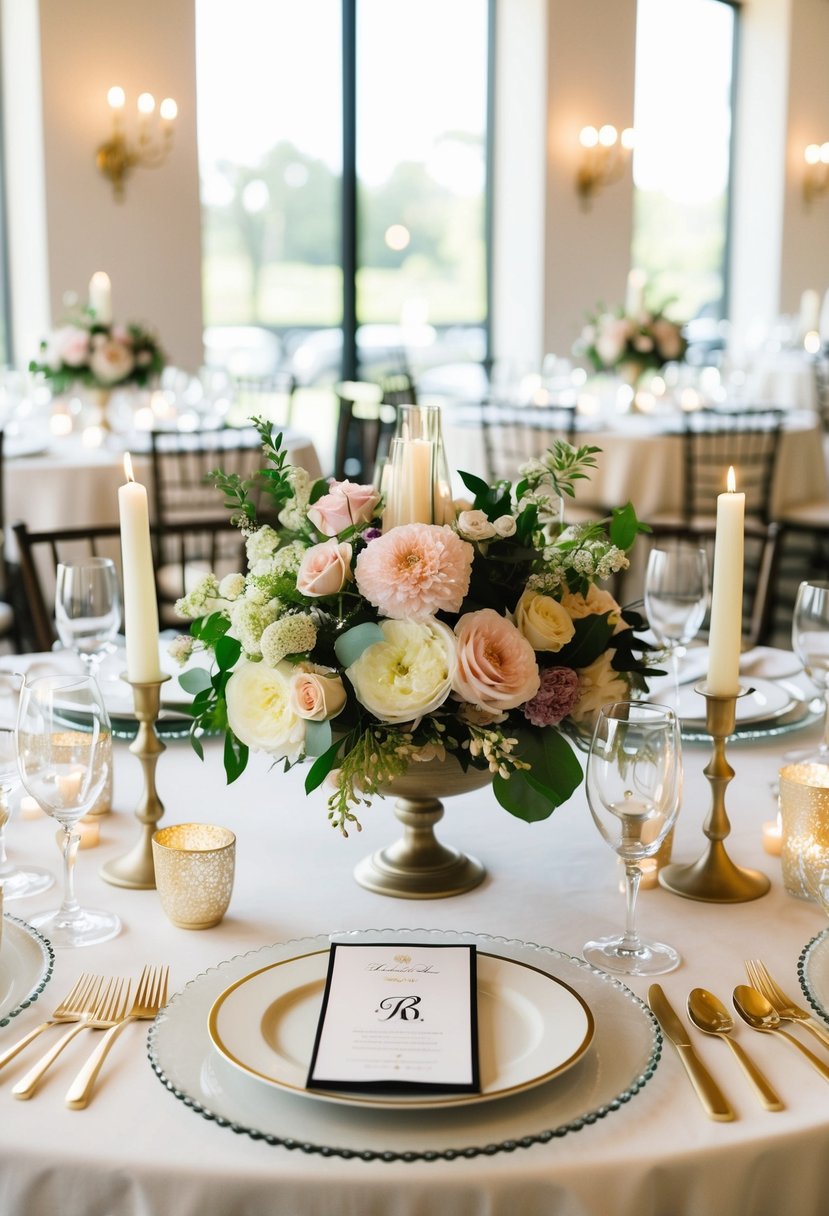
[531,1026]
[623,1056]
[768,700]
[813,969]
[26,960]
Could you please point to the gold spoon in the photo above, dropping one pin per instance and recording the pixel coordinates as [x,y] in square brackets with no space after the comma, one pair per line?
[754,1009]
[710,1016]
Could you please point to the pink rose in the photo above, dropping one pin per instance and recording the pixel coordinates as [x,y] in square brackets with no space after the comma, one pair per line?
[496,665]
[317,696]
[346,505]
[110,361]
[68,345]
[325,569]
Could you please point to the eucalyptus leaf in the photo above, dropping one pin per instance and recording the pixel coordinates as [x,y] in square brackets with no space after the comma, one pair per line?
[317,738]
[196,680]
[351,644]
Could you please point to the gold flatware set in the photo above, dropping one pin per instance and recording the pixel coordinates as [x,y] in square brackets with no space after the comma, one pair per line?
[94,1003]
[761,1005]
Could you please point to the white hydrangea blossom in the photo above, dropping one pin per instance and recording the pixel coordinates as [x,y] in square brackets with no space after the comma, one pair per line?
[294,514]
[249,621]
[181,648]
[255,594]
[197,602]
[261,545]
[232,586]
[289,635]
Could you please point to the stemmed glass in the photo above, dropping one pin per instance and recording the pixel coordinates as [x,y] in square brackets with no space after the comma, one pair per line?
[64,751]
[17,882]
[810,642]
[676,598]
[634,782]
[88,608]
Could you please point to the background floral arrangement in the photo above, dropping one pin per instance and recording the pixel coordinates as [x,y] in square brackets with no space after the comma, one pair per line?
[645,339]
[487,639]
[85,351]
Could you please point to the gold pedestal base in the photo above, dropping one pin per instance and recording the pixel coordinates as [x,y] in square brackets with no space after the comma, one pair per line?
[135,869]
[418,866]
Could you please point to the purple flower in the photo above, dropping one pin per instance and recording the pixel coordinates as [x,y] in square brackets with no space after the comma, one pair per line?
[557,696]
[372,534]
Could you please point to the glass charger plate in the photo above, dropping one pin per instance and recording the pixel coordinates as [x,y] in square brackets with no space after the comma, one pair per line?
[26,962]
[531,1027]
[802,712]
[622,1057]
[813,972]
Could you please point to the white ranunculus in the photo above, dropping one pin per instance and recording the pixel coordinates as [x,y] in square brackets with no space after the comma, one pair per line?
[409,673]
[474,525]
[260,712]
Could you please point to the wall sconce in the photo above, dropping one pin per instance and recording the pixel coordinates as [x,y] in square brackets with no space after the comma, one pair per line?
[118,156]
[816,178]
[604,156]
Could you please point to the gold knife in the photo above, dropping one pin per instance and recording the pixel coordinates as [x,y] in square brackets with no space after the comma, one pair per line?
[709,1093]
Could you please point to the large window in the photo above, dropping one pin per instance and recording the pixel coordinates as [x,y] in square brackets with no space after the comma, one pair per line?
[681,163]
[289,154]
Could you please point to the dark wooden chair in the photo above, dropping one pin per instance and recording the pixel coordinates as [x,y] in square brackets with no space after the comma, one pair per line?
[514,434]
[365,425]
[270,396]
[713,440]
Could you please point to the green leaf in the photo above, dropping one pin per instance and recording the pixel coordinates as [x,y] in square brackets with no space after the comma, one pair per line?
[553,776]
[228,651]
[210,628]
[196,680]
[321,767]
[625,527]
[351,644]
[592,634]
[476,484]
[318,489]
[235,757]
[317,738]
[196,743]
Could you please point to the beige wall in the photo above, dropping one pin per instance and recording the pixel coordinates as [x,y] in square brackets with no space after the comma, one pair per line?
[149,244]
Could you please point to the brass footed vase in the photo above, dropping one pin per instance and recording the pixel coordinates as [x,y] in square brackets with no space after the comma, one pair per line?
[418,866]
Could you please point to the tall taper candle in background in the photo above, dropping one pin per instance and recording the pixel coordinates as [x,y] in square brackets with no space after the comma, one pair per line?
[100,297]
[635,292]
[140,606]
[726,628]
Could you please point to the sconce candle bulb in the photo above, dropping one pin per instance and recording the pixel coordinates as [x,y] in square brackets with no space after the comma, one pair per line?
[117,157]
[605,153]
[816,178]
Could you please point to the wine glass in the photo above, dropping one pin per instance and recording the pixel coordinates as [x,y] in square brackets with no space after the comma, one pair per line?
[64,754]
[88,608]
[17,882]
[634,781]
[676,598]
[810,642]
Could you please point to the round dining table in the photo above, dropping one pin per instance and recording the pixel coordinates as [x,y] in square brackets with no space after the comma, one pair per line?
[216,1144]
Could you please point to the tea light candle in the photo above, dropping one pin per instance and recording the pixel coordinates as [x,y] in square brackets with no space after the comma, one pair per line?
[30,808]
[726,628]
[140,605]
[773,836]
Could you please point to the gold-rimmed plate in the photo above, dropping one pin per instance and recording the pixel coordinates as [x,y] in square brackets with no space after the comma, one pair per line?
[531,1027]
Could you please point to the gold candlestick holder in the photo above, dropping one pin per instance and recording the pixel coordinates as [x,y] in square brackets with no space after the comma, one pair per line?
[714,878]
[135,869]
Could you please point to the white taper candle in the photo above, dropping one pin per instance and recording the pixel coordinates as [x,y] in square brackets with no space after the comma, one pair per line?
[140,606]
[726,628]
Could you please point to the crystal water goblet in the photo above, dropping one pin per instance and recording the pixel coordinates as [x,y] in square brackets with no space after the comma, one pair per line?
[88,608]
[676,599]
[64,754]
[17,881]
[810,642]
[634,783]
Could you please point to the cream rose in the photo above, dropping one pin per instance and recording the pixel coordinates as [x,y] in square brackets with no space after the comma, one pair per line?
[596,603]
[317,695]
[496,665]
[111,361]
[600,685]
[543,621]
[259,709]
[474,525]
[504,525]
[409,673]
[325,569]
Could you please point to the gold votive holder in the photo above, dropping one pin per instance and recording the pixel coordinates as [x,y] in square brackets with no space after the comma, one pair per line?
[714,877]
[804,812]
[135,869]
[194,867]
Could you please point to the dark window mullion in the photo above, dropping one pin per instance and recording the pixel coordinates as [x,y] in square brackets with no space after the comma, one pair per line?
[349,190]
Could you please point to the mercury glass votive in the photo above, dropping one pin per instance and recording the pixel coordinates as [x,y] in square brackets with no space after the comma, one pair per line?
[804,813]
[194,866]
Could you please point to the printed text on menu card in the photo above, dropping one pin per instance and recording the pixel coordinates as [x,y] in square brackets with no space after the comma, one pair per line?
[398,1017]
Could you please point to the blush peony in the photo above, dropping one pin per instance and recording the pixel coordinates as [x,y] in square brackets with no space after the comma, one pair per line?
[496,665]
[414,571]
[408,674]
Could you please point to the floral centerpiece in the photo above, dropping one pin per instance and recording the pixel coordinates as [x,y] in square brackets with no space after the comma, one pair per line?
[488,638]
[85,350]
[631,342]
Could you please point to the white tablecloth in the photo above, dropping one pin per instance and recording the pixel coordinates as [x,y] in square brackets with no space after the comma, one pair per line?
[138,1151]
[641,462]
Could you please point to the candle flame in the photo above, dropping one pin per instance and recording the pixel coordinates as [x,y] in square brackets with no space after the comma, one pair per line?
[731,480]
[128,473]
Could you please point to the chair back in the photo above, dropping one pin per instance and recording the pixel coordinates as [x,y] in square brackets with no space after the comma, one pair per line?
[365,425]
[514,434]
[713,441]
[269,396]
[181,462]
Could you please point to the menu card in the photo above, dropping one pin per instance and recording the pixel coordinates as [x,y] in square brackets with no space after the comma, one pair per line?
[398,1017]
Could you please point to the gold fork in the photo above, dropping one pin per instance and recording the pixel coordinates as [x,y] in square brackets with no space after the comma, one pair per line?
[149,997]
[110,1008]
[77,1003]
[759,977]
